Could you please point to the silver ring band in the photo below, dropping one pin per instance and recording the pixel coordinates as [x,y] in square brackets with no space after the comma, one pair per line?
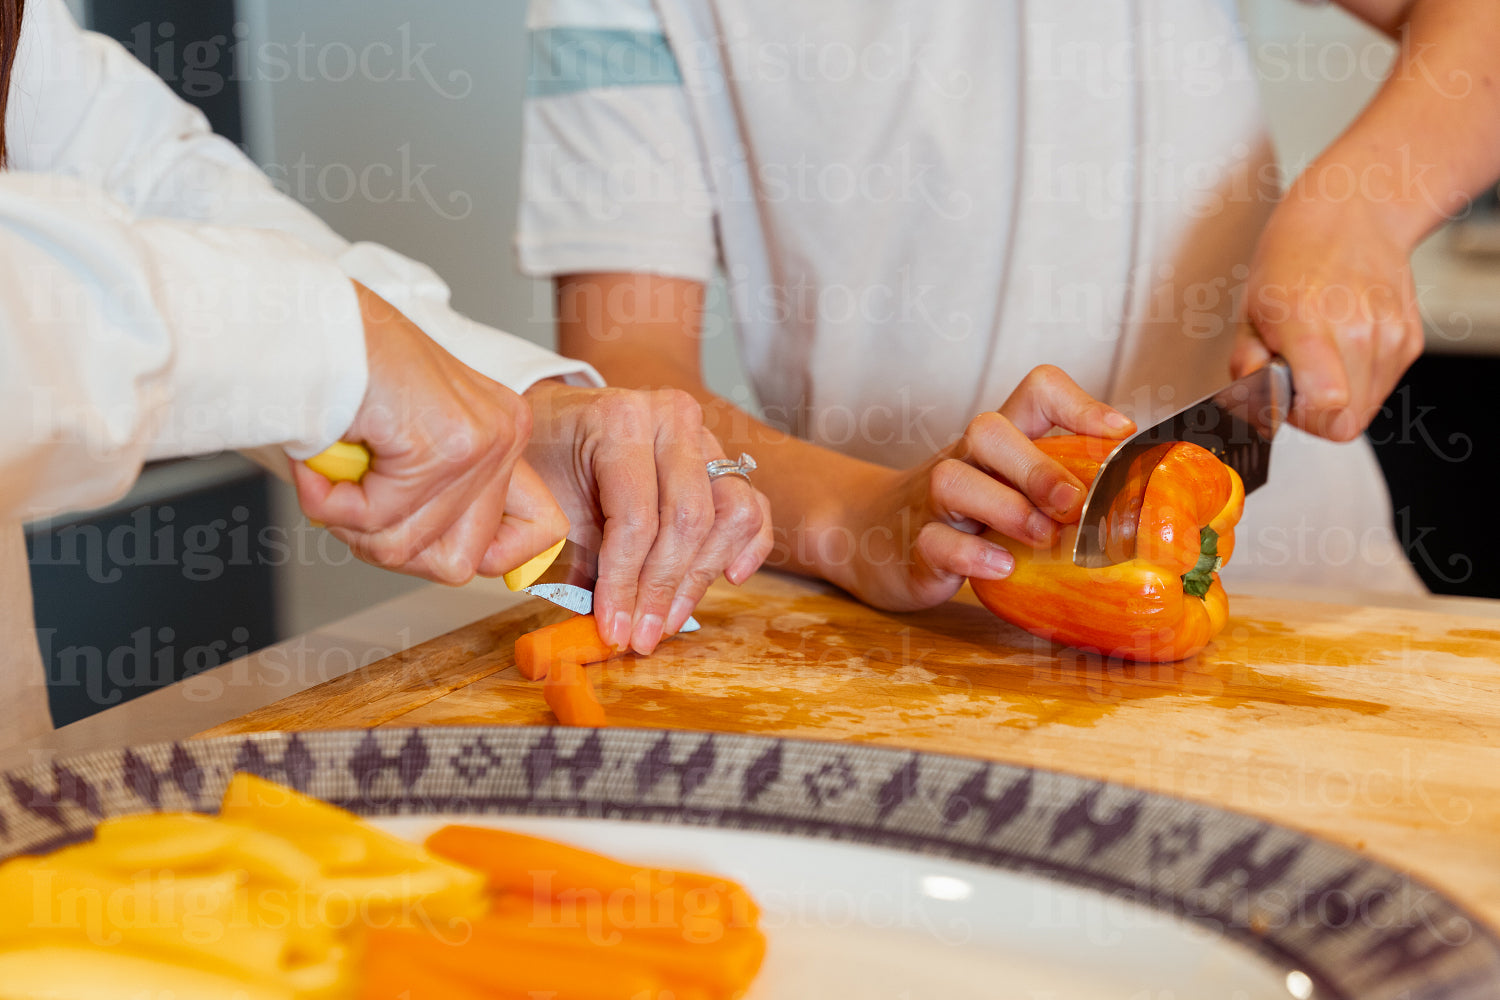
[741,467]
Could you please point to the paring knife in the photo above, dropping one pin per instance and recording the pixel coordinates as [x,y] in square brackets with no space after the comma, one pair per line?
[1236,423]
[564,574]
[569,582]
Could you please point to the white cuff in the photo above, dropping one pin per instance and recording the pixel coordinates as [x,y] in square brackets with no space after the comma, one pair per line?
[420,294]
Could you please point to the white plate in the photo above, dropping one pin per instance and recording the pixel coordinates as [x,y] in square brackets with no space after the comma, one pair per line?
[866,923]
[884,873]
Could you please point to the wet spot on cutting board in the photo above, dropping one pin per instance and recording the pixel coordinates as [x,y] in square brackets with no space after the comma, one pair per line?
[1488,637]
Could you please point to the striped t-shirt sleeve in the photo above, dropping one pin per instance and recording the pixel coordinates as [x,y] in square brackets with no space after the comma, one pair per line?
[612,175]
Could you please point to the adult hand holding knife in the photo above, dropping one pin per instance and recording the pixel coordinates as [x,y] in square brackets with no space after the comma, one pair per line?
[447,496]
[467,478]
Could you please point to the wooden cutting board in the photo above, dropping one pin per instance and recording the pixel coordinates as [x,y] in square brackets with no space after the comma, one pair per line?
[1374,727]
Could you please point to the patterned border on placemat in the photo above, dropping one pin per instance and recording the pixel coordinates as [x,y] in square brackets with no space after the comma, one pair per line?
[1358,928]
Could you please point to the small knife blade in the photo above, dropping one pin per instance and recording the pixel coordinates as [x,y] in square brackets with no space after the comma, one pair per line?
[569,582]
[1236,423]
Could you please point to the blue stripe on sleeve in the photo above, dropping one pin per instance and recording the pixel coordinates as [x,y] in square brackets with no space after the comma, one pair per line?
[568,60]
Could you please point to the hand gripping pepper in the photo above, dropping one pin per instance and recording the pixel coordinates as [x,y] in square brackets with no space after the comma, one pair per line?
[1166,603]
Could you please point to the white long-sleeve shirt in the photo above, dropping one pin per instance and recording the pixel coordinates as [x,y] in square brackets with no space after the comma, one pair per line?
[159,297]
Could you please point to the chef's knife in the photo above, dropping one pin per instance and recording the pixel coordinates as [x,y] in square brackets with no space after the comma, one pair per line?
[569,582]
[1236,423]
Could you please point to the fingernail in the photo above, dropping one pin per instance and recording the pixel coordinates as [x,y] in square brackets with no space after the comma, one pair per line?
[1064,497]
[999,562]
[1039,526]
[619,631]
[647,634]
[1116,420]
[681,608]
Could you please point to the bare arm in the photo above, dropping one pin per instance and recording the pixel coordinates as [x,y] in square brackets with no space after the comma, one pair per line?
[898,539]
[1430,138]
[1331,286]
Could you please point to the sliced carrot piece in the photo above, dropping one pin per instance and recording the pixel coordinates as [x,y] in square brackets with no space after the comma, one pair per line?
[570,695]
[392,974]
[722,960]
[575,639]
[522,968]
[534,866]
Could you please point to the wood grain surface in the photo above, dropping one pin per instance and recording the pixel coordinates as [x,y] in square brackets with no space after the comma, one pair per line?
[1377,728]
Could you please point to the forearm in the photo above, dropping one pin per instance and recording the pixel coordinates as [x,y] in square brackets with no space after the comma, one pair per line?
[1430,139]
[808,485]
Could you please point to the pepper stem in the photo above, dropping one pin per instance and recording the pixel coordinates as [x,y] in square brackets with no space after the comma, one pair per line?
[1197,580]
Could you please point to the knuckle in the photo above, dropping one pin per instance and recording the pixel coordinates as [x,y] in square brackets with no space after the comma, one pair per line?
[1047,376]
[1360,336]
[1038,479]
[454,571]
[386,549]
[625,415]
[948,477]
[462,445]
[983,427]
[637,534]
[929,544]
[684,407]
[744,517]
[657,593]
[514,429]
[690,516]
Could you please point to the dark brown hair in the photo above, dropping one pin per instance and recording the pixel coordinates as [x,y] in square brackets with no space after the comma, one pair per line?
[10,37]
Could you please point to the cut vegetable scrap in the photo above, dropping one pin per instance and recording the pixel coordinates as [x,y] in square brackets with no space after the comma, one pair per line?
[570,694]
[556,655]
[574,639]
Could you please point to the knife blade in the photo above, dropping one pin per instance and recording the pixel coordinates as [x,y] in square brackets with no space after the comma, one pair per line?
[569,582]
[1236,423]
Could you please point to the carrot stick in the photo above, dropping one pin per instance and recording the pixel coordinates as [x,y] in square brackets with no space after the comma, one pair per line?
[675,914]
[534,866]
[522,968]
[575,639]
[519,862]
[725,962]
[570,695]
[390,974]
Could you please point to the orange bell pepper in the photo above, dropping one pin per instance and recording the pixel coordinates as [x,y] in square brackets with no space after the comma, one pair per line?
[1164,604]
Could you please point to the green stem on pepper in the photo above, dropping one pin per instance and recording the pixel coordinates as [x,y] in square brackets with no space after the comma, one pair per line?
[1197,580]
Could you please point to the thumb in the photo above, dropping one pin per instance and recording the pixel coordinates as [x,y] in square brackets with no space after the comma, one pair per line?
[533,522]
